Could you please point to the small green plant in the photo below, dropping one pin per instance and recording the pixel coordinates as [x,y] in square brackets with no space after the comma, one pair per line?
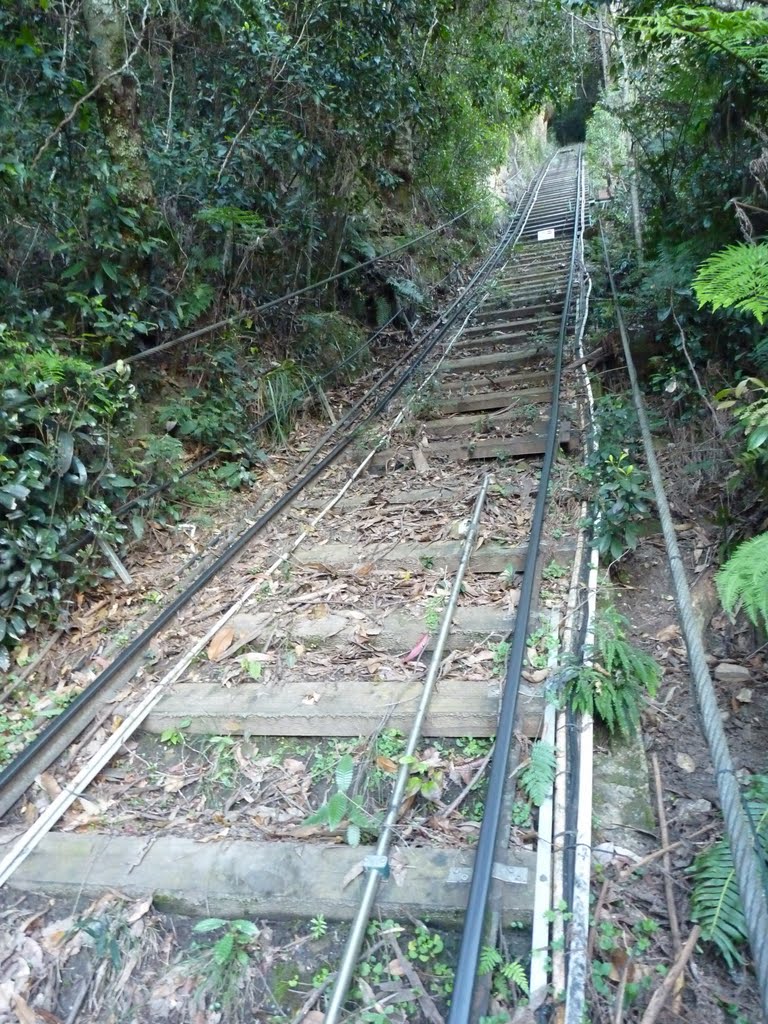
[220,965]
[742,582]
[537,777]
[521,814]
[224,763]
[426,945]
[424,779]
[174,736]
[318,927]
[554,571]
[508,975]
[715,900]
[432,613]
[500,655]
[613,688]
[622,502]
[340,806]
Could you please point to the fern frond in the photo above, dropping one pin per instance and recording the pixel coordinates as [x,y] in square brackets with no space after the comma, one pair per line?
[715,901]
[515,972]
[538,775]
[742,582]
[345,770]
[736,277]
[490,957]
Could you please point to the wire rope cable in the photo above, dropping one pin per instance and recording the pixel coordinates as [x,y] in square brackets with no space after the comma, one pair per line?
[747,859]
[272,303]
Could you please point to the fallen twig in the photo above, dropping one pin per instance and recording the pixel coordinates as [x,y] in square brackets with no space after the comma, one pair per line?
[666,988]
[426,1002]
[446,811]
[674,927]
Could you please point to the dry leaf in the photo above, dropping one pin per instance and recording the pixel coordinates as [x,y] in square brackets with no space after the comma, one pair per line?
[313,1017]
[351,875]
[744,696]
[24,1011]
[220,643]
[670,632]
[686,762]
[386,764]
[311,698]
[417,650]
[49,785]
[138,910]
[420,463]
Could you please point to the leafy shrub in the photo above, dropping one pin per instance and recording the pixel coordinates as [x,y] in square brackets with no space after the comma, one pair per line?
[612,689]
[56,473]
[622,500]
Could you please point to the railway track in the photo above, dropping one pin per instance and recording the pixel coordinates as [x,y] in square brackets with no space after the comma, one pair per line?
[248,771]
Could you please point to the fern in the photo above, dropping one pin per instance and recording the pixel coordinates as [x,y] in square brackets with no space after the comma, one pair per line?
[514,972]
[715,901]
[490,958]
[613,688]
[735,277]
[538,775]
[742,582]
[344,773]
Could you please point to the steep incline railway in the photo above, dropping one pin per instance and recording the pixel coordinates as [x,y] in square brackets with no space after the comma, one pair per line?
[369,615]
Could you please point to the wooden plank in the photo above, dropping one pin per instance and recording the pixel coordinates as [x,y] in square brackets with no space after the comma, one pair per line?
[502,339]
[411,555]
[476,423]
[492,400]
[275,879]
[391,631]
[420,495]
[490,448]
[520,378]
[521,322]
[343,707]
[494,359]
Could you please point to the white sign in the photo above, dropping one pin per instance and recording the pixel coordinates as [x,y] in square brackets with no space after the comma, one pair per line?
[546,234]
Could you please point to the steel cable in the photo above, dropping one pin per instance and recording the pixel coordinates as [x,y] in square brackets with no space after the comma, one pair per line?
[747,861]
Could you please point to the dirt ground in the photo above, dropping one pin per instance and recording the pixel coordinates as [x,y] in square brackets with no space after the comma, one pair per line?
[633,936]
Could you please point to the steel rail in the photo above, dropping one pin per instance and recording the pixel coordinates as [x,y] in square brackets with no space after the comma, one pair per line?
[747,856]
[377,865]
[472,935]
[37,755]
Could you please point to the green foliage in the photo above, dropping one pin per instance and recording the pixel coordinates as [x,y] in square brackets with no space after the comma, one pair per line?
[715,899]
[340,806]
[56,476]
[537,777]
[613,688]
[622,500]
[749,410]
[737,278]
[742,582]
[220,965]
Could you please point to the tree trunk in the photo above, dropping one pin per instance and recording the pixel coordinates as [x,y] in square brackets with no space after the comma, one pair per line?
[118,99]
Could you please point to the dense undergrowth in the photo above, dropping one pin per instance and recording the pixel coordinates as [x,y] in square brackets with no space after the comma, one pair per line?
[164,167]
